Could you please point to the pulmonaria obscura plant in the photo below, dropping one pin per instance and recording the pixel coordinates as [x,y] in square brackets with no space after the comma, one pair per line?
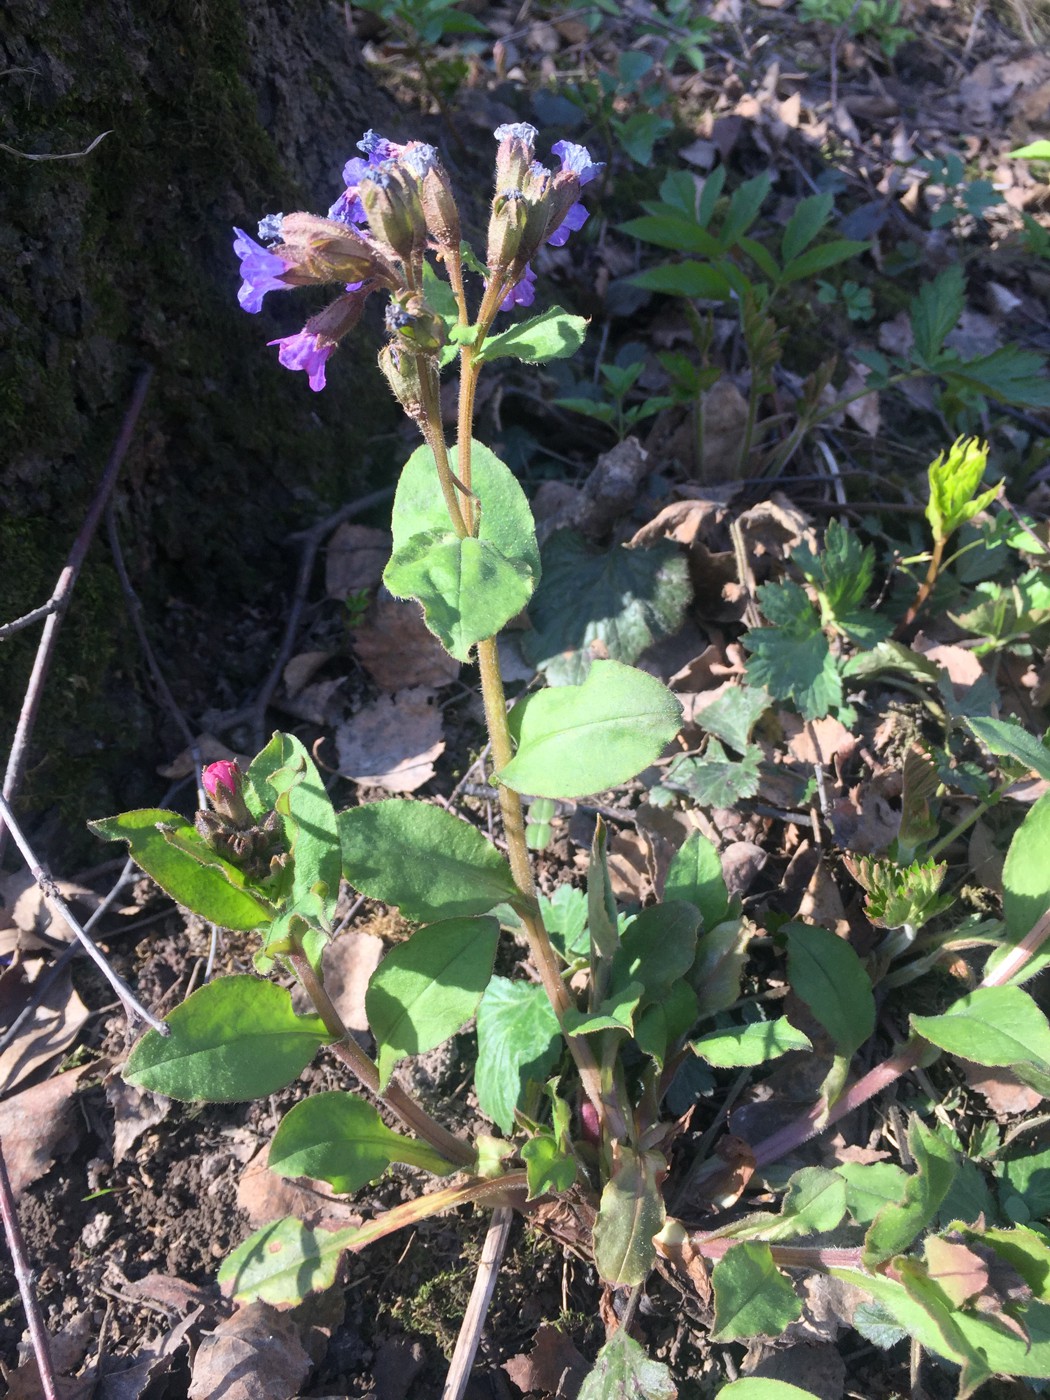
[578,1054]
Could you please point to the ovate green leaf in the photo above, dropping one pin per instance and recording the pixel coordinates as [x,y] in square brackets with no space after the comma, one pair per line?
[630,1214]
[284,1262]
[752,1297]
[518,1041]
[750,1045]
[897,1225]
[829,977]
[991,1026]
[695,875]
[623,1371]
[552,335]
[234,1039]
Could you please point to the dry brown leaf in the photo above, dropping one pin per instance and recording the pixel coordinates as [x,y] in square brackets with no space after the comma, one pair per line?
[629,867]
[825,741]
[773,528]
[135,1111]
[399,1362]
[149,1364]
[680,1251]
[348,964]
[320,703]
[254,1355]
[681,521]
[725,416]
[49,1032]
[37,1124]
[30,913]
[393,742]
[264,1196]
[553,1367]
[822,904]
[69,1346]
[1003,1091]
[963,668]
[741,862]
[398,650]
[817,1370]
[301,669]
[355,559]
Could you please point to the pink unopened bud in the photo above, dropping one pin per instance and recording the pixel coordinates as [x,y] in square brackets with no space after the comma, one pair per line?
[224,774]
[590,1128]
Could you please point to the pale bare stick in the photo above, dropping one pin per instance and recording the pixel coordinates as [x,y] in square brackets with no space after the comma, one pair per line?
[59,907]
[478,1304]
[59,600]
[24,1275]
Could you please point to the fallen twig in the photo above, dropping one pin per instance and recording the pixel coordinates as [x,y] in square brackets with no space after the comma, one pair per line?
[24,1276]
[478,1304]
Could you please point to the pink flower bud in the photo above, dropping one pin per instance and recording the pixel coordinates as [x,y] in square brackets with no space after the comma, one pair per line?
[224,774]
[590,1128]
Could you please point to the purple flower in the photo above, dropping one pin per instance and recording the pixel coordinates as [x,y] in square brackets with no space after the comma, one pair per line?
[307,352]
[262,271]
[378,149]
[523,293]
[574,219]
[578,160]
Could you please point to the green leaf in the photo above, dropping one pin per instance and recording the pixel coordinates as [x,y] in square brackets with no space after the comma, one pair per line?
[552,335]
[506,517]
[1009,375]
[623,1371]
[661,1026]
[1026,873]
[518,1041]
[695,875]
[615,1013]
[686,279]
[339,1138]
[423,859]
[657,949]
[758,1388]
[991,1026]
[581,739]
[792,659]
[284,1262]
[205,883]
[467,588]
[428,987]
[814,1203]
[954,478]
[842,571]
[549,1169]
[744,207]
[1007,737]
[284,778]
[672,230]
[631,1212]
[752,1297]
[1035,150]
[816,260]
[734,715]
[829,977]
[750,1045]
[720,956]
[935,312]
[234,1039]
[715,779]
[565,919]
[897,1225]
[623,598]
[807,219]
[870,1186]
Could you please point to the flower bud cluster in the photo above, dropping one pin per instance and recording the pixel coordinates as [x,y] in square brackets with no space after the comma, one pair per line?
[229,828]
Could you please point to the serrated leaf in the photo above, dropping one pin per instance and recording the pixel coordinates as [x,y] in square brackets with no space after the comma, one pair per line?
[549,1169]
[734,715]
[631,1212]
[842,571]
[750,1045]
[236,1038]
[624,599]
[999,1026]
[695,875]
[467,588]
[336,1137]
[791,658]
[552,335]
[935,312]
[715,779]
[204,882]
[954,477]
[657,948]
[575,740]
[518,1041]
[1009,375]
[623,1371]
[897,1225]
[752,1297]
[807,219]
[830,978]
[565,919]
[427,988]
[614,1013]
[423,859]
[815,260]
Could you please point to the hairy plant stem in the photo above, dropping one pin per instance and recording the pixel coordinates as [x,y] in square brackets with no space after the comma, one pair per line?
[469,370]
[434,436]
[925,589]
[966,822]
[401,1104]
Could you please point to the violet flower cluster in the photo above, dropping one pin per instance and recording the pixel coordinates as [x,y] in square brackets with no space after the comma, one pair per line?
[398,205]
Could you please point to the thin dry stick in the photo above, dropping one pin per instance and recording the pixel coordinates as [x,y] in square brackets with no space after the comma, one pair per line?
[59,600]
[478,1305]
[311,543]
[23,1274]
[132,1006]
